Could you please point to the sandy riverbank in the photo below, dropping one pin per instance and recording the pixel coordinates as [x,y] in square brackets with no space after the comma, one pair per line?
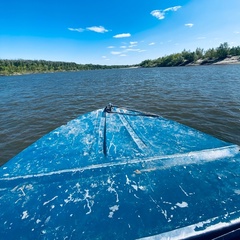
[229,60]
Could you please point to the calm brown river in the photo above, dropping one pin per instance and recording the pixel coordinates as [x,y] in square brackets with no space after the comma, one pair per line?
[205,97]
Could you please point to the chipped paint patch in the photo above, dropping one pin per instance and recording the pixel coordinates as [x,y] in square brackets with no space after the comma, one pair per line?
[135,187]
[183,191]
[38,221]
[127,180]
[112,189]
[112,210]
[25,215]
[182,204]
[237,191]
[49,200]
[89,202]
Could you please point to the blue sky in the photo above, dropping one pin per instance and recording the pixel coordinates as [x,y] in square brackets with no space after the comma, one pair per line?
[114,32]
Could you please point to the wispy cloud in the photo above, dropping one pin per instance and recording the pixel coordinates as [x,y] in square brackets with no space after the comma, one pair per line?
[110,47]
[152,43]
[160,14]
[105,58]
[174,9]
[122,35]
[133,43]
[125,52]
[132,50]
[76,29]
[127,49]
[115,53]
[236,32]
[189,25]
[99,29]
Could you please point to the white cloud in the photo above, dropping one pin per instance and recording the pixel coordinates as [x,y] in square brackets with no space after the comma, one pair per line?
[110,47]
[115,53]
[174,9]
[99,29]
[132,50]
[160,14]
[189,25]
[125,50]
[122,35]
[200,38]
[76,29]
[133,44]
[151,44]
[236,32]
[128,50]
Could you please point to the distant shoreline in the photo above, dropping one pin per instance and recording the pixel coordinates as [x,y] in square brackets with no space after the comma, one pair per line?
[227,61]
[41,66]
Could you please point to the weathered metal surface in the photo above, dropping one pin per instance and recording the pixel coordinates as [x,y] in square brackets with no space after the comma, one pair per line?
[120,175]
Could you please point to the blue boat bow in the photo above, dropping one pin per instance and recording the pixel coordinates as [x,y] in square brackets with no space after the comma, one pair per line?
[121,174]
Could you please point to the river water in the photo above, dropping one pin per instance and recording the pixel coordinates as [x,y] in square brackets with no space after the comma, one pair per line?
[204,97]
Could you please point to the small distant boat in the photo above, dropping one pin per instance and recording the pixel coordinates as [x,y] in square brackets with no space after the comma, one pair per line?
[122,174]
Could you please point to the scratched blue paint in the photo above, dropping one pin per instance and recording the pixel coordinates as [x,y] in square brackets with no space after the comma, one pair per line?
[120,175]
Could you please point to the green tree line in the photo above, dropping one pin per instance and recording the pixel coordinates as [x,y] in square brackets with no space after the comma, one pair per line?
[10,67]
[185,57]
[19,66]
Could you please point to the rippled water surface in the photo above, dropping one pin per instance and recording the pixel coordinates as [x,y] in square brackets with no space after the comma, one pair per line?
[206,98]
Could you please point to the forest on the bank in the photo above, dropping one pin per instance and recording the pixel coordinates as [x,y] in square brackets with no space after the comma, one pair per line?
[199,56]
[20,66]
